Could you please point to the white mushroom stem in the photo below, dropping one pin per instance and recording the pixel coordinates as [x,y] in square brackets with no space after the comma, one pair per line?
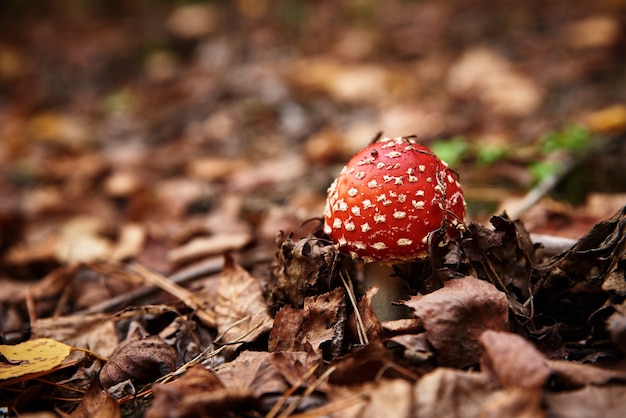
[553,245]
[391,288]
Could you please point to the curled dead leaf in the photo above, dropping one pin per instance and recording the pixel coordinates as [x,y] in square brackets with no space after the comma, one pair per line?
[141,360]
[455,316]
[513,360]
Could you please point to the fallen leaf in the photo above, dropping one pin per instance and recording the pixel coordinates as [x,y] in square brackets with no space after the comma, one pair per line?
[199,392]
[240,310]
[33,356]
[202,247]
[264,373]
[571,375]
[590,401]
[447,392]
[97,403]
[514,403]
[139,359]
[487,74]
[513,361]
[94,332]
[318,327]
[386,398]
[455,316]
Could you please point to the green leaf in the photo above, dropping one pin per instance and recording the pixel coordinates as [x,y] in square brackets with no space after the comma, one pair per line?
[451,150]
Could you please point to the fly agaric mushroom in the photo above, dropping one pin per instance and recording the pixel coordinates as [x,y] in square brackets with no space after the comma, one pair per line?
[385,205]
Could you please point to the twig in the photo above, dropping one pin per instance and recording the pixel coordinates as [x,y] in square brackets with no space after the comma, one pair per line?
[209,266]
[360,326]
[276,408]
[188,298]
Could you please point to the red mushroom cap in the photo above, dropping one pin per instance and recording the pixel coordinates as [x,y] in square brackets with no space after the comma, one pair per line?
[389,198]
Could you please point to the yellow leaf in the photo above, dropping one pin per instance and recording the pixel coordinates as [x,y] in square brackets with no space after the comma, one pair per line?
[32,356]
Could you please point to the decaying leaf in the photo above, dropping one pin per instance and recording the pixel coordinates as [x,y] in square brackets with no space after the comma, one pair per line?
[199,392]
[570,287]
[301,269]
[386,398]
[263,373]
[447,392]
[513,360]
[455,316]
[318,327]
[590,401]
[570,375]
[97,403]
[241,312]
[95,332]
[139,359]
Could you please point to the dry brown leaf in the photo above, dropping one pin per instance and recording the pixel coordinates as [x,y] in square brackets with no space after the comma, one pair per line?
[94,332]
[132,237]
[513,361]
[206,246]
[387,398]
[240,311]
[451,393]
[485,73]
[514,403]
[590,401]
[455,316]
[139,359]
[318,327]
[199,392]
[570,375]
[263,373]
[80,240]
[97,403]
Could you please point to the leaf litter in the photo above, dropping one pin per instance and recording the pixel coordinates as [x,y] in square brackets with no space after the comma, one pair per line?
[114,219]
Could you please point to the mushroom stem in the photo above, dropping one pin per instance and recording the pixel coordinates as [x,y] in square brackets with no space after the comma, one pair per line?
[391,288]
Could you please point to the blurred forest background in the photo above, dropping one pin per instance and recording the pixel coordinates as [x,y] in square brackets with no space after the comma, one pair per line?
[151,111]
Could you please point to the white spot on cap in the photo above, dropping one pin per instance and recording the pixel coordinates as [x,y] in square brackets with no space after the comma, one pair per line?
[380,218]
[399,180]
[337,223]
[419,193]
[342,241]
[404,242]
[353,192]
[402,198]
[450,178]
[349,226]
[379,246]
[372,184]
[380,165]
[381,197]
[393,154]
[418,204]
[360,175]
[368,204]
[327,229]
[343,206]
[368,160]
[399,214]
[356,210]
[387,202]
[360,245]
[412,179]
[365,227]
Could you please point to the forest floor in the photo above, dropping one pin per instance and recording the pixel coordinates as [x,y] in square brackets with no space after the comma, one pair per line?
[164,168]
